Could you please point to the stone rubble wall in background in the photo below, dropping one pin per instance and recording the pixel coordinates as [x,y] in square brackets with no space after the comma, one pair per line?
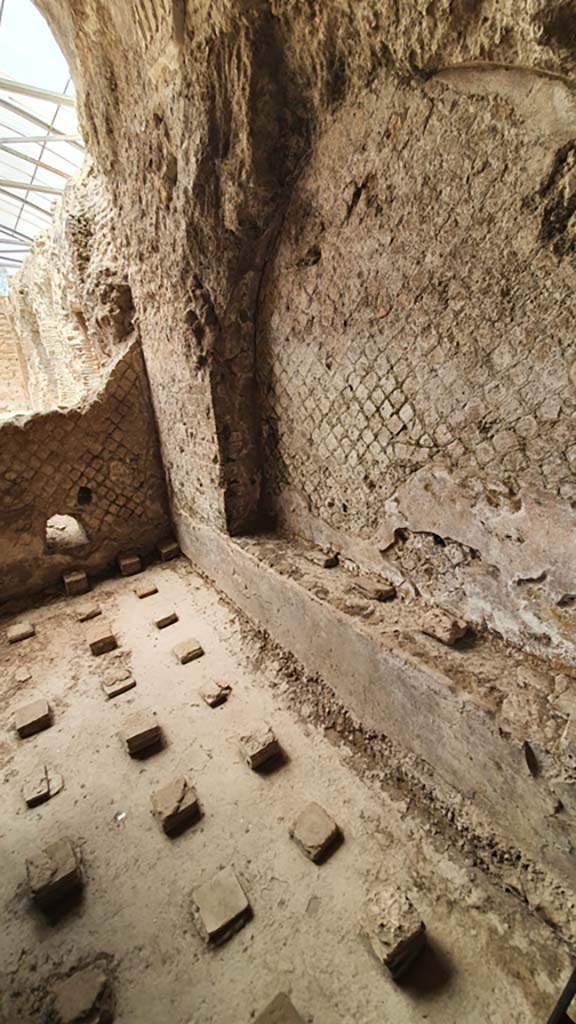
[98,462]
[14,393]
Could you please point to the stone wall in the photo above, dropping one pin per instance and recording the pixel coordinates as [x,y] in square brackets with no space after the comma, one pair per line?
[99,463]
[14,394]
[417,347]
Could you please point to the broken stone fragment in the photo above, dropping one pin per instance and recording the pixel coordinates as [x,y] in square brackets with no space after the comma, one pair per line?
[86,996]
[188,650]
[396,932]
[41,786]
[220,907]
[145,590]
[54,874]
[33,718]
[85,612]
[215,693]
[443,627]
[140,732]
[76,582]
[168,549]
[176,805]
[280,1011]
[119,684]
[101,639]
[129,564]
[315,832]
[20,631]
[22,675]
[259,746]
[165,619]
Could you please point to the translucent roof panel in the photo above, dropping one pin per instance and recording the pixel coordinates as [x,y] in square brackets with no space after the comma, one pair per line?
[40,145]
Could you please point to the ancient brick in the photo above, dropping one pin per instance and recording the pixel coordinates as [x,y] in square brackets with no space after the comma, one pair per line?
[43,784]
[33,718]
[396,931]
[168,549]
[176,805]
[145,590]
[188,650]
[87,611]
[101,639]
[215,693]
[259,746]
[76,582]
[315,832]
[140,732]
[20,631]
[220,907]
[280,1011]
[129,565]
[54,874]
[120,683]
[85,997]
[165,619]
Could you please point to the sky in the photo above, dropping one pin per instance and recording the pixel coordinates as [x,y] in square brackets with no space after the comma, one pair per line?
[29,53]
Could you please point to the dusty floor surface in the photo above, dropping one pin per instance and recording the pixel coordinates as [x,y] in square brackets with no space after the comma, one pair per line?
[490,961]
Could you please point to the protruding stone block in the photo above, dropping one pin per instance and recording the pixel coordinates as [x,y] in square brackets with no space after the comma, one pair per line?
[220,907]
[168,549]
[140,732]
[54,874]
[85,612]
[121,682]
[176,805]
[280,1011]
[188,650]
[315,832]
[76,582]
[215,693]
[130,564]
[22,675]
[145,590]
[259,746]
[33,718]
[101,639]
[43,784]
[165,619]
[443,627]
[20,631]
[85,997]
[396,932]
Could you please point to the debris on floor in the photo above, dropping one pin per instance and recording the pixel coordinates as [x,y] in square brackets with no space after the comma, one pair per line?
[54,874]
[33,718]
[165,619]
[315,832]
[21,631]
[101,639]
[141,732]
[168,549]
[188,650]
[76,582]
[176,805]
[145,590]
[85,612]
[220,907]
[259,746]
[215,693]
[396,931]
[41,785]
[85,997]
[129,565]
[120,683]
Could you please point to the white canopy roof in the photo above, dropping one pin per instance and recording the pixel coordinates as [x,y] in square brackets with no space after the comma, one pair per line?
[40,145]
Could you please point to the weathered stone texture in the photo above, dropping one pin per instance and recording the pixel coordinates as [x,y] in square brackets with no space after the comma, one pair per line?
[417,325]
[109,448]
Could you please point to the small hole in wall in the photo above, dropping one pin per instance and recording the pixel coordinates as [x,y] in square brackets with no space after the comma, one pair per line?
[64,533]
[84,496]
[439,540]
